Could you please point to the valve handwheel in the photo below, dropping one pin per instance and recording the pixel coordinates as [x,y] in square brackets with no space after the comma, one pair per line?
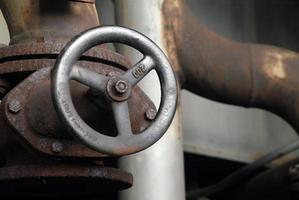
[117,88]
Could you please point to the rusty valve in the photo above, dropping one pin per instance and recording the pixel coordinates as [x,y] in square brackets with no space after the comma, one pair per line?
[116,88]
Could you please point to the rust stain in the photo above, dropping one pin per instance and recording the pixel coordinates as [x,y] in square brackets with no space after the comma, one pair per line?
[171,12]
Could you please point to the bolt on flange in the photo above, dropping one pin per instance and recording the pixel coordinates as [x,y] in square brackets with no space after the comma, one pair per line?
[14,106]
[150,114]
[57,147]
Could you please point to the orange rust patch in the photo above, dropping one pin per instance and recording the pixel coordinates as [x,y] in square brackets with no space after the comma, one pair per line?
[171,12]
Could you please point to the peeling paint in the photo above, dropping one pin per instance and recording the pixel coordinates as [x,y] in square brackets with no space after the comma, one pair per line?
[274,64]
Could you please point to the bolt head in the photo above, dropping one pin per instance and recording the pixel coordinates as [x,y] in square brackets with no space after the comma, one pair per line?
[150,114]
[14,106]
[57,147]
[117,89]
[121,86]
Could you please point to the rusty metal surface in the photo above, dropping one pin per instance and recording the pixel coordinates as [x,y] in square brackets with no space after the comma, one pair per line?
[61,180]
[38,124]
[47,20]
[231,72]
[33,56]
[171,11]
[30,129]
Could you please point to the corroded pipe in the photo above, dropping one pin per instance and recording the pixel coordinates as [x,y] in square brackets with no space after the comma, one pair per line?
[47,20]
[223,70]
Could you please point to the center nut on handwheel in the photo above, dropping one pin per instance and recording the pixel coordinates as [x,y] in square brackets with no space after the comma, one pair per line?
[117,89]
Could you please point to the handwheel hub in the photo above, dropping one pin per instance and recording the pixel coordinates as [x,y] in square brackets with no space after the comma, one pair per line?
[118,89]
[121,87]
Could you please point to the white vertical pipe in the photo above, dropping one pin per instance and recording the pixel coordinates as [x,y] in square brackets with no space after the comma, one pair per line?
[158,171]
[4,35]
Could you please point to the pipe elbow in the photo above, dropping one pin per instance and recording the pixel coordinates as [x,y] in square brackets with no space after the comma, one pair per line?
[243,74]
[275,85]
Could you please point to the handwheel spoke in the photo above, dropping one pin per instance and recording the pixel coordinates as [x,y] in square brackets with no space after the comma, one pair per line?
[138,71]
[89,78]
[122,118]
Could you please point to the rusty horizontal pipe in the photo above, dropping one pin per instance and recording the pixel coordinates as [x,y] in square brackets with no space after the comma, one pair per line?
[243,74]
[47,20]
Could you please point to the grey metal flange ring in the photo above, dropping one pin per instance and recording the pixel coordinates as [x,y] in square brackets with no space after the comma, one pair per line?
[117,88]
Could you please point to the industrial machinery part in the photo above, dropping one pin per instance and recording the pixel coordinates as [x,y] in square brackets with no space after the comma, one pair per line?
[38,155]
[116,88]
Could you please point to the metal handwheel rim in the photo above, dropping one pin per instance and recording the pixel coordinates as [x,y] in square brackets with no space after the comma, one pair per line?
[62,74]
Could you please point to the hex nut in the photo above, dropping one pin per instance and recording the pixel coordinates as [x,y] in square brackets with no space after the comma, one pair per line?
[14,106]
[57,147]
[121,87]
[150,114]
